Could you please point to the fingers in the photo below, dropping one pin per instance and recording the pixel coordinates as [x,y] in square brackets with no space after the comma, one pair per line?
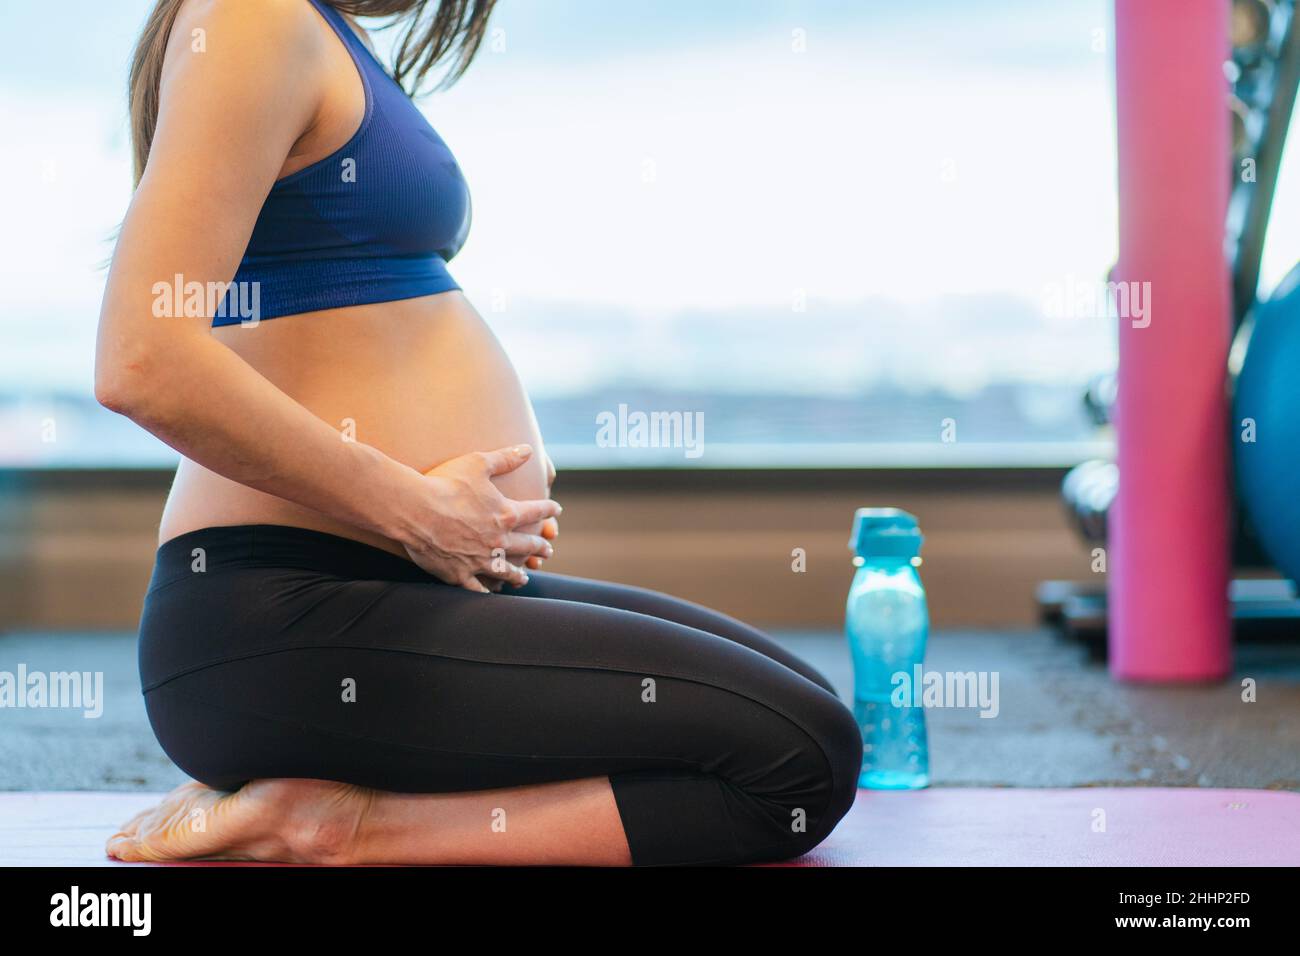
[550,531]
[535,511]
[505,460]
[484,572]
[500,567]
[518,544]
[474,584]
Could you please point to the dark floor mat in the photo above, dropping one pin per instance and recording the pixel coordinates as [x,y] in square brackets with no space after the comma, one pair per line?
[1061,721]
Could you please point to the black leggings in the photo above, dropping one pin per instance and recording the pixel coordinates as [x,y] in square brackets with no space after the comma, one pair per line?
[268,651]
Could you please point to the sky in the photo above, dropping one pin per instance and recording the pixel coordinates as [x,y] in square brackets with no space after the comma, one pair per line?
[673,167]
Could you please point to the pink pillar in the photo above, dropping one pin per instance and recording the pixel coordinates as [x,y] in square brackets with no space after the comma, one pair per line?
[1169,561]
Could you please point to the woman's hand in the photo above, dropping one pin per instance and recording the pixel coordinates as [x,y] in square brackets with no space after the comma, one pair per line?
[550,531]
[550,527]
[464,528]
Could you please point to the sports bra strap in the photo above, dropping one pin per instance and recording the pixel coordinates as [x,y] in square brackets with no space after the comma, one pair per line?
[340,25]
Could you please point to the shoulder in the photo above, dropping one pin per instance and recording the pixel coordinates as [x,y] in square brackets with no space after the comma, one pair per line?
[275,50]
[289,30]
[249,73]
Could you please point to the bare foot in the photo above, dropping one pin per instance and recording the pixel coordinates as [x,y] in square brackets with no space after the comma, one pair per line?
[283,821]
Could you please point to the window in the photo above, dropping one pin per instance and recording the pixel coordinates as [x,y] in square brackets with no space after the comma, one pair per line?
[836,229]
[1281,249]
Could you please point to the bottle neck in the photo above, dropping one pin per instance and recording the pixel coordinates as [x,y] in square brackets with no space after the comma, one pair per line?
[885,562]
[892,573]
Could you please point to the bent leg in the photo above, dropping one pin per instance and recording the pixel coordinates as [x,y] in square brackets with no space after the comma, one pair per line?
[714,751]
[561,587]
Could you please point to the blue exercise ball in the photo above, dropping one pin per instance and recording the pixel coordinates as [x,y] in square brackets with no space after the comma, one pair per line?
[1266,425]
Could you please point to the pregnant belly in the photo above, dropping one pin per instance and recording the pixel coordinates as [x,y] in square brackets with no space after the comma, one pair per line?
[423,380]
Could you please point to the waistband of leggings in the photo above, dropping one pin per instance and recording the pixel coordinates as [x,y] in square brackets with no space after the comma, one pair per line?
[278,546]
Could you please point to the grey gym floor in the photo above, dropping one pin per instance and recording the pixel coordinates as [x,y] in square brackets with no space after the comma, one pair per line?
[1062,722]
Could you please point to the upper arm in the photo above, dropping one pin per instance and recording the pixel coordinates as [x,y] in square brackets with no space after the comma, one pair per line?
[241,83]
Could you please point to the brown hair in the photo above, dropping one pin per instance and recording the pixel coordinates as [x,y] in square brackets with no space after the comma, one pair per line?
[453,31]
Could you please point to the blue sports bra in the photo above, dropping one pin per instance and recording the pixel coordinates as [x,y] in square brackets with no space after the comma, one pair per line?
[374,221]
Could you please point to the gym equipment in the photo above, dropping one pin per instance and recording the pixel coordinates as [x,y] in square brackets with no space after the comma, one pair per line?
[1088,491]
[1264,72]
[1266,424]
[1168,554]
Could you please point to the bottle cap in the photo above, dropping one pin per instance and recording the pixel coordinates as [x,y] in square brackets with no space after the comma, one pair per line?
[885,533]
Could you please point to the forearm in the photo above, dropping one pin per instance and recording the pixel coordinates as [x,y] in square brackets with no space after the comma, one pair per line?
[206,402]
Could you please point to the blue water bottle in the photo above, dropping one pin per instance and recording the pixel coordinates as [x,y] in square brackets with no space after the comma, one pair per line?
[887,624]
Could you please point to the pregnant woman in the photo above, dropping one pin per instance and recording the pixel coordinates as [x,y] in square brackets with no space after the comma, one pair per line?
[342,642]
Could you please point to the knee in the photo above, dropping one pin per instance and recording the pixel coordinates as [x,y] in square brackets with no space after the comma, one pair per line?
[840,743]
[812,802]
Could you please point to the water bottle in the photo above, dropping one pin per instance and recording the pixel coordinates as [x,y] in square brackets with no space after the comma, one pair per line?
[886,622]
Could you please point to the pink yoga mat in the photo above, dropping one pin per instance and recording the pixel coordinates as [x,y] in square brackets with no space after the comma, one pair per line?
[939,827]
[1169,528]
[1144,826]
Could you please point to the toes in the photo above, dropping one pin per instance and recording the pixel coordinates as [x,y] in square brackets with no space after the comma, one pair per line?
[121,848]
[303,820]
[177,828]
[131,826]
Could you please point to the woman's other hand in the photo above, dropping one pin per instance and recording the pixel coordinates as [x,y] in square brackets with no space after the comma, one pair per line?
[463,530]
[550,527]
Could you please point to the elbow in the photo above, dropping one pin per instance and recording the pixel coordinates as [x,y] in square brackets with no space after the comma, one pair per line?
[141,376]
[112,389]
[121,384]
[109,392]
